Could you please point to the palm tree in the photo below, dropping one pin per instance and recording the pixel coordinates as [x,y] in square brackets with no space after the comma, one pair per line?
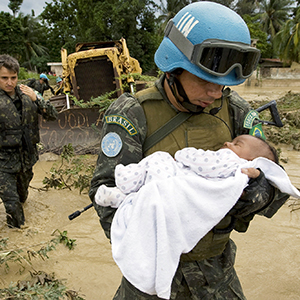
[168,10]
[228,3]
[274,14]
[287,40]
[32,33]
[246,7]
[15,5]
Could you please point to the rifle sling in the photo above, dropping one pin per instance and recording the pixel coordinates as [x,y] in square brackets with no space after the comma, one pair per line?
[165,130]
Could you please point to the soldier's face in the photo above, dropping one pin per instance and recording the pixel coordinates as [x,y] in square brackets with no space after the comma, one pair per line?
[8,80]
[200,92]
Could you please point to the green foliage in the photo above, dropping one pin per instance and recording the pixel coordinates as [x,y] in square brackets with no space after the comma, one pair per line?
[61,26]
[50,289]
[286,41]
[228,3]
[33,36]
[246,7]
[70,21]
[141,77]
[168,9]
[103,101]
[23,74]
[273,14]
[63,23]
[63,238]
[257,33]
[10,35]
[41,285]
[73,172]
[15,5]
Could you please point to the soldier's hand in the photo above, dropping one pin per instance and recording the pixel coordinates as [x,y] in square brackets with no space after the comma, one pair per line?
[28,91]
[255,197]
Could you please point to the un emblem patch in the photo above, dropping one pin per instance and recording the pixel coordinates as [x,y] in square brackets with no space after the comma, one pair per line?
[111,144]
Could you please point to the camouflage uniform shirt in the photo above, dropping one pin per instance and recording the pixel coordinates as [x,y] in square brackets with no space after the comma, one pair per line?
[14,159]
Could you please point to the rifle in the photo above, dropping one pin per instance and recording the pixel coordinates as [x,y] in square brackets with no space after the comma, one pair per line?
[78,212]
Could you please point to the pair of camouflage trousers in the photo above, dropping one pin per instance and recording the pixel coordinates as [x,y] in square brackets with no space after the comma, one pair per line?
[210,279]
[13,193]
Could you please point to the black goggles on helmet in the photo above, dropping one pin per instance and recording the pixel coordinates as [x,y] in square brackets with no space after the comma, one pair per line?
[216,57]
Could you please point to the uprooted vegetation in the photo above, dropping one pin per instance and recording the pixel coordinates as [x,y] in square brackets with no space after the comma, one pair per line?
[289,111]
[40,285]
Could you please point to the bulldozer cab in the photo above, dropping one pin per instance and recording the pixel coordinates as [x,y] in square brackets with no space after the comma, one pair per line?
[97,68]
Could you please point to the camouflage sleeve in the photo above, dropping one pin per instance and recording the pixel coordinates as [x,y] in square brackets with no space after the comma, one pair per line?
[46,109]
[238,110]
[259,197]
[49,87]
[31,82]
[124,122]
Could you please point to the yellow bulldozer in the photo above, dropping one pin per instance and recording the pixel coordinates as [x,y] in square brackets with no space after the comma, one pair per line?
[94,69]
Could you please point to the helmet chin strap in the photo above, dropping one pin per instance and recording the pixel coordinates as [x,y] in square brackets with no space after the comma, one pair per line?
[172,81]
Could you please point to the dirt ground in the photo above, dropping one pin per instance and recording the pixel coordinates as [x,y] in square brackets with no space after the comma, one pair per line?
[268,259]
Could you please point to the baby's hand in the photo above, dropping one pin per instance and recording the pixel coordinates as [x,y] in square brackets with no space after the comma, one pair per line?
[251,172]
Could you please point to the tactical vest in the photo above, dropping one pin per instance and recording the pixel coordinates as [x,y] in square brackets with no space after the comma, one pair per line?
[200,131]
[15,128]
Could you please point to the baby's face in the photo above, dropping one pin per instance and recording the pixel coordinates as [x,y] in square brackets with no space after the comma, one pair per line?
[243,146]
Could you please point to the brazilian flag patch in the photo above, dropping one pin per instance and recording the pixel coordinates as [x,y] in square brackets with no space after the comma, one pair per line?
[123,122]
[257,131]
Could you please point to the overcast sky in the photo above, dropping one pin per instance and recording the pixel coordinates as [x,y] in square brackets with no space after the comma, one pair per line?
[26,7]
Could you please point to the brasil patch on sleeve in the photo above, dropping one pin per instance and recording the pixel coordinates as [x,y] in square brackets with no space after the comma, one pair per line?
[121,121]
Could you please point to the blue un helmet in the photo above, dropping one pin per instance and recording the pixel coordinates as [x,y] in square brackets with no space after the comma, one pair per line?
[58,79]
[210,41]
[43,76]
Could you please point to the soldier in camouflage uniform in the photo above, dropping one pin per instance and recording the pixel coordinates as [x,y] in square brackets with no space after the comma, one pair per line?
[200,54]
[41,85]
[19,109]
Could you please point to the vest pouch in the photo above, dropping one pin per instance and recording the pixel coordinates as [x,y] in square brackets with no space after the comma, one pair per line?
[27,139]
[34,135]
[11,138]
[199,136]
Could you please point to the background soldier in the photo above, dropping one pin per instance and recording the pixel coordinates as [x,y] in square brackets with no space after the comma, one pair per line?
[41,85]
[59,88]
[19,109]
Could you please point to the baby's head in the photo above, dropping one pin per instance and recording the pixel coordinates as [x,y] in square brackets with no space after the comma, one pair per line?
[249,147]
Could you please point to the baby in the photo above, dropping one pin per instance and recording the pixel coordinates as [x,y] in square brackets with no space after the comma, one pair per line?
[213,165]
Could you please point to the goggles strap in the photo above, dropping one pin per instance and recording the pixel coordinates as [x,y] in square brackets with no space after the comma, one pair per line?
[179,40]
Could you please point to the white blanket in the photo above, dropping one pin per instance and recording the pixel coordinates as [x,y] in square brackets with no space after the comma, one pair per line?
[164,219]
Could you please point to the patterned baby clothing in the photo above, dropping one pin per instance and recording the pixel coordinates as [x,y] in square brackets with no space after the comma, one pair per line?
[161,165]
